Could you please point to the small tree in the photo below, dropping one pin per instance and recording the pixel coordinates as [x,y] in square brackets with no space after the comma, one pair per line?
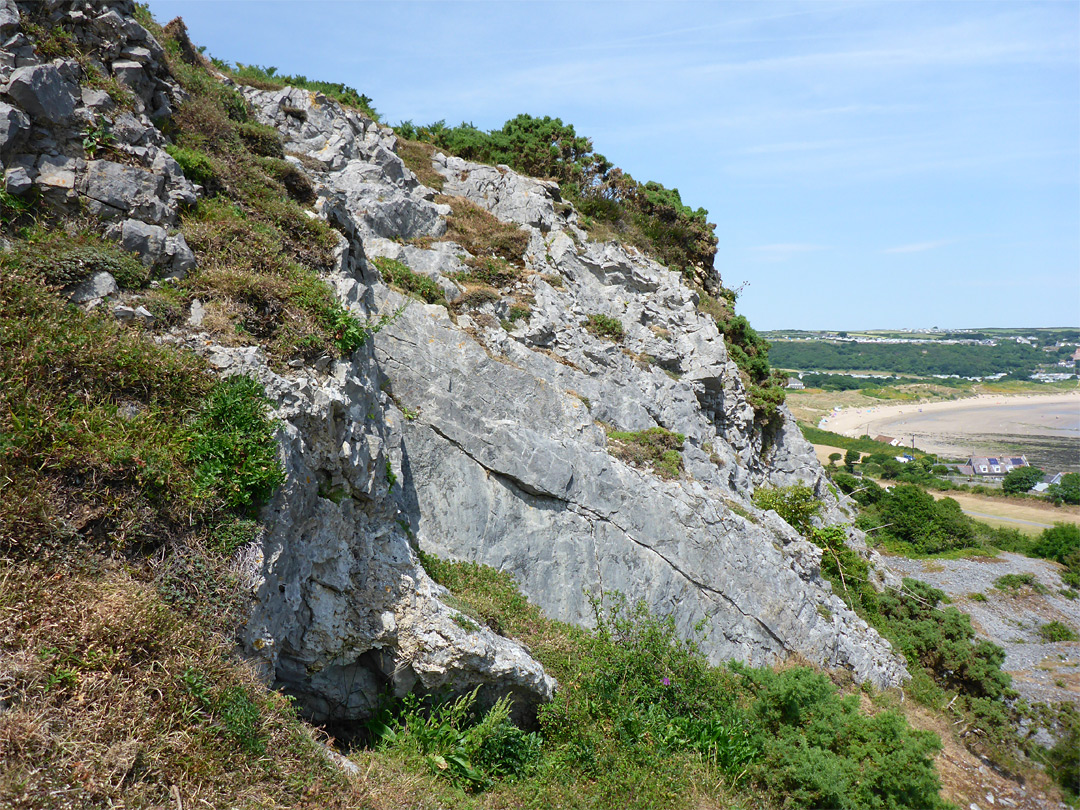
[1021,479]
[833,458]
[851,458]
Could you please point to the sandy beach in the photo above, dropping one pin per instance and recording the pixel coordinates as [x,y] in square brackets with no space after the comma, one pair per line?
[978,423]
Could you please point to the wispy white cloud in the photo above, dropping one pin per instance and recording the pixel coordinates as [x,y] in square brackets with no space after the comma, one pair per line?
[919,247]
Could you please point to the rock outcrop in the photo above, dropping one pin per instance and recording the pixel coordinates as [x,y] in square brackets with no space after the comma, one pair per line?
[475,432]
[505,461]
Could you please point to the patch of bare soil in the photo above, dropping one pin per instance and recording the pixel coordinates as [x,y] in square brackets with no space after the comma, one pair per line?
[973,784]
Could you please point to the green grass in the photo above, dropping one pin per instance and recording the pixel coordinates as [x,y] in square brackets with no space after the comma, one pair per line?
[1017,582]
[655,448]
[1058,631]
[403,278]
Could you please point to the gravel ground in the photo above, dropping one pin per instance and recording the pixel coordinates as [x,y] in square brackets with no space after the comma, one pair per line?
[1011,619]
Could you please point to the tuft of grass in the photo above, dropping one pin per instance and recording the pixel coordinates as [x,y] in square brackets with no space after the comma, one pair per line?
[481,233]
[403,278]
[605,326]
[493,271]
[655,448]
[1016,582]
[1058,631]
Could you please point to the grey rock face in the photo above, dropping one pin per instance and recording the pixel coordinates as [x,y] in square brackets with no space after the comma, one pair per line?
[9,18]
[344,611]
[507,464]
[43,92]
[146,241]
[113,189]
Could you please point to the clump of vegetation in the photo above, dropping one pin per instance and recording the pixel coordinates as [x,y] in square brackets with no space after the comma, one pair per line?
[402,277]
[452,739]
[267,78]
[59,259]
[417,155]
[648,215]
[642,720]
[605,326]
[655,448]
[1017,582]
[493,271]
[1058,631]
[796,504]
[481,233]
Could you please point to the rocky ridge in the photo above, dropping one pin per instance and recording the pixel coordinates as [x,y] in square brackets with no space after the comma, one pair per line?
[450,433]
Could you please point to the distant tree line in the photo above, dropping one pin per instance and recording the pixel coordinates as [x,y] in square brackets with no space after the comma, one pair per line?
[965,360]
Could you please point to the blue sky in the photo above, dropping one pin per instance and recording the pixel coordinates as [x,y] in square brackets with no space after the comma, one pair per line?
[899,164]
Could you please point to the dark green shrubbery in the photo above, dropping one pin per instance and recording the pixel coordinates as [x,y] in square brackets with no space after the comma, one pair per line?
[910,520]
[646,214]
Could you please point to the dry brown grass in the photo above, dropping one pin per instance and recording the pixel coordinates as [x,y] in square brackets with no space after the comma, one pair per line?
[416,155]
[111,698]
[481,233]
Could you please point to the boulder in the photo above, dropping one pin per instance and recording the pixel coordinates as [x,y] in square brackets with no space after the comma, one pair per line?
[113,189]
[17,181]
[147,241]
[98,286]
[44,93]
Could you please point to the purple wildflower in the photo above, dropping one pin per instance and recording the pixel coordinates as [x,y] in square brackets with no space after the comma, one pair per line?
[665,681]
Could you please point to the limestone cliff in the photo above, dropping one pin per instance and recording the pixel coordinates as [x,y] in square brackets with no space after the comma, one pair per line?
[475,430]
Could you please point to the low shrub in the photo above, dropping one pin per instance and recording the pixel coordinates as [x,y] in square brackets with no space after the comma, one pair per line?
[1016,582]
[796,504]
